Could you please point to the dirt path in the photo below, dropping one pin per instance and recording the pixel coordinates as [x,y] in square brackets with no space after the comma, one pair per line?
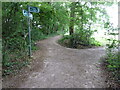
[56,66]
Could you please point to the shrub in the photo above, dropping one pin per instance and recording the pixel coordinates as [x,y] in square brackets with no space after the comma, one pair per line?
[76,41]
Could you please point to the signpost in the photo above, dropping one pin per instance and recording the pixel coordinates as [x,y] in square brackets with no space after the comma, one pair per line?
[30,17]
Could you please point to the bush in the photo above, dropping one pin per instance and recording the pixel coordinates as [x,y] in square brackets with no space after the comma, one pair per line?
[113,65]
[113,55]
[113,59]
[76,41]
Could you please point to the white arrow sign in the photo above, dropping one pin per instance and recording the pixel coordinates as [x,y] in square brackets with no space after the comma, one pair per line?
[25,13]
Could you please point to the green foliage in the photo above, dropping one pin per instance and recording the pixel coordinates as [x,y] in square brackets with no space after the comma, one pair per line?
[82,16]
[78,41]
[14,44]
[113,65]
[113,54]
[15,29]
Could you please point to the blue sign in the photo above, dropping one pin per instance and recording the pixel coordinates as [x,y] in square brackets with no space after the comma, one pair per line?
[25,13]
[34,9]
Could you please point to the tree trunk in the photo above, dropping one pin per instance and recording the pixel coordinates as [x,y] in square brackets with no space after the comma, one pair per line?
[71,27]
[72,16]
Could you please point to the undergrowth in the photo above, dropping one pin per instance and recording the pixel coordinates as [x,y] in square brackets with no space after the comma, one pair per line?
[113,61]
[78,42]
[15,60]
[113,55]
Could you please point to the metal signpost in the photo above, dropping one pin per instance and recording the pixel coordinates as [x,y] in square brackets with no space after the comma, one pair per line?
[30,17]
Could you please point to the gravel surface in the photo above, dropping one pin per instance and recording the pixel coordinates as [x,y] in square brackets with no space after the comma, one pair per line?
[55,66]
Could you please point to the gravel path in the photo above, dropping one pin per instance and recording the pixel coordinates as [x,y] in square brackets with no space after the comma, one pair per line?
[56,66]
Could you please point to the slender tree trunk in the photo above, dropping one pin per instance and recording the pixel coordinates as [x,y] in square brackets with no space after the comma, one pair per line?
[72,16]
[71,27]
[82,18]
[119,26]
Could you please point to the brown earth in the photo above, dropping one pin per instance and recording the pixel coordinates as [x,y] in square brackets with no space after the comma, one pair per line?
[55,66]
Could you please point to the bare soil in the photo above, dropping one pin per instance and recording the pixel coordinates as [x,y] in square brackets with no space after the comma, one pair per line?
[55,66]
